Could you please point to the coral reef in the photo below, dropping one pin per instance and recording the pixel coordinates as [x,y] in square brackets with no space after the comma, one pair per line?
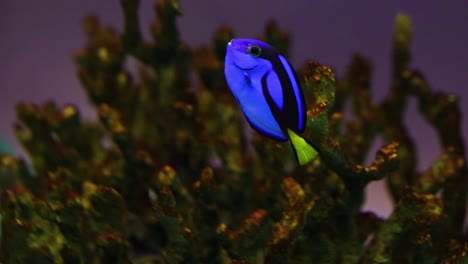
[168,175]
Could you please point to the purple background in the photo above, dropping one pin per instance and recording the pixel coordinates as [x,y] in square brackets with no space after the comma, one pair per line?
[37,39]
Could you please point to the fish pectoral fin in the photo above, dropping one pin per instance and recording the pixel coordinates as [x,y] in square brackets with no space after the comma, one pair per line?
[248,80]
[304,151]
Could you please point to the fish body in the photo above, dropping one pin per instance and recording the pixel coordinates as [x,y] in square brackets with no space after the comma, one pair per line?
[269,93]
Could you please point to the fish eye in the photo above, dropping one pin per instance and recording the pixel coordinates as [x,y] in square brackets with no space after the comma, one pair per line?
[254,50]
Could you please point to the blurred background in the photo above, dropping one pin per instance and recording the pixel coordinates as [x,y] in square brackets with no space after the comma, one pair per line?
[37,39]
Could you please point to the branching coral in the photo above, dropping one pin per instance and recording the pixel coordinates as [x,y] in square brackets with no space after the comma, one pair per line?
[167,174]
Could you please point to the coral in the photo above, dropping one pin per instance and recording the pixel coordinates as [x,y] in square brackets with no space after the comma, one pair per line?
[167,173]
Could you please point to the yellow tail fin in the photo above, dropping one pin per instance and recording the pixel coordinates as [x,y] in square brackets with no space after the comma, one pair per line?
[304,151]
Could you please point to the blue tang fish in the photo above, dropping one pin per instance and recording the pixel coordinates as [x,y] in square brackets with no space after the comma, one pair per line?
[269,93]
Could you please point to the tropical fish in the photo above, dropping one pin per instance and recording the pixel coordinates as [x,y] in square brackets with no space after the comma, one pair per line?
[269,93]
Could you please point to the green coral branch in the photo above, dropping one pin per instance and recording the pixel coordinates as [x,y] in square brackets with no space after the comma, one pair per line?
[408,226]
[58,231]
[131,38]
